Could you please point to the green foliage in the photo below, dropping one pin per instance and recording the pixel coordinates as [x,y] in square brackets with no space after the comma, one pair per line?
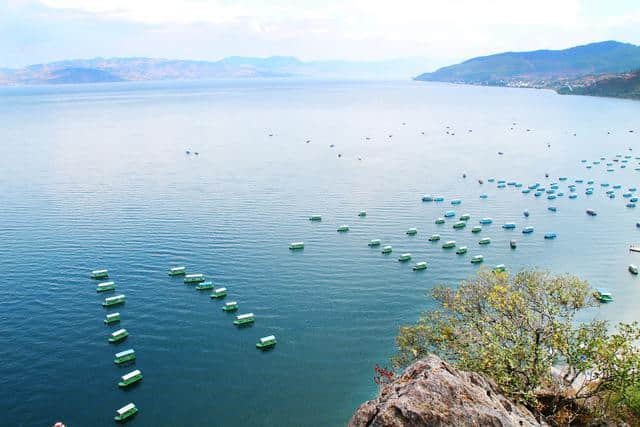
[515,328]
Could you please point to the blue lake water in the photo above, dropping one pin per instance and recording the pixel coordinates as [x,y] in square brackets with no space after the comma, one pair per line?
[97,177]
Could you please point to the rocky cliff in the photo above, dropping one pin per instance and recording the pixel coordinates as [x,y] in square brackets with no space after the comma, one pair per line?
[431,392]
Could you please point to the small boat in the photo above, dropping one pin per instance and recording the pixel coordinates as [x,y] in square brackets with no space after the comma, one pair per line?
[477,259]
[124,356]
[296,245]
[513,244]
[244,319]
[552,208]
[315,218]
[112,318]
[404,257]
[420,266]
[626,195]
[266,342]
[130,378]
[459,224]
[537,194]
[374,242]
[526,213]
[449,214]
[230,306]
[99,274]
[500,268]
[634,248]
[476,229]
[603,295]
[106,286]
[118,299]
[465,217]
[551,197]
[573,196]
[118,335]
[484,241]
[362,213]
[633,269]
[456,201]
[387,249]
[126,412]
[562,178]
[434,238]
[590,182]
[633,199]
[412,231]
[486,221]
[550,235]
[440,221]
[219,293]
[194,278]
[527,230]
[491,179]
[438,199]
[177,271]
[631,205]
[204,286]
[501,185]
[427,198]
[484,196]
[509,225]
[617,186]
[343,228]
[461,250]
[449,244]
[501,181]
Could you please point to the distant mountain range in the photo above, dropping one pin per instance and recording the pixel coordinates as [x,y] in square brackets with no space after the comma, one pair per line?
[137,69]
[607,66]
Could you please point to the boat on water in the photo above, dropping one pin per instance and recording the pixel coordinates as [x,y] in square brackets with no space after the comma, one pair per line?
[420,266]
[513,244]
[266,342]
[461,250]
[484,241]
[449,244]
[204,286]
[634,248]
[125,412]
[99,274]
[177,271]
[130,378]
[456,201]
[106,286]
[527,230]
[449,214]
[296,245]
[427,198]
[315,218]
[526,213]
[551,197]
[362,213]
[440,221]
[244,319]
[118,299]
[573,196]
[537,193]
[124,356]
[404,257]
[603,295]
[465,217]
[112,318]
[219,293]
[500,268]
[633,269]
[484,196]
[476,259]
[438,199]
[194,278]
[459,224]
[526,191]
[230,306]
[434,238]
[412,231]
[509,225]
[343,228]
[552,208]
[476,229]
[118,335]
[387,249]
[486,221]
[374,242]
[550,235]
[631,205]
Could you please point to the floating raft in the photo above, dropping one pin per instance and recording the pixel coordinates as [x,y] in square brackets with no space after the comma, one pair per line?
[484,241]
[266,342]
[124,356]
[219,293]
[204,286]
[118,299]
[509,225]
[106,286]
[550,235]
[230,306]
[486,221]
[440,221]
[476,259]
[476,229]
[177,271]
[404,257]
[449,214]
[461,250]
[130,378]
[427,198]
[99,274]
[465,217]
[449,244]
[387,249]
[633,269]
[343,228]
[459,225]
[603,295]
[112,318]
[118,335]
[315,218]
[412,231]
[420,266]
[362,213]
[374,242]
[434,238]
[244,319]
[194,278]
[296,245]
[126,412]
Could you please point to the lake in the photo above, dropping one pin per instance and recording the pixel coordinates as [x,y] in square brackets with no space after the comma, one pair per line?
[97,176]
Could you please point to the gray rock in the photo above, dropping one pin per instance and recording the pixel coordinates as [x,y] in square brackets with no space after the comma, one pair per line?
[431,392]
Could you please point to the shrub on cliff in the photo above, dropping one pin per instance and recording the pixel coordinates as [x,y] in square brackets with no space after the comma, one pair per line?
[515,328]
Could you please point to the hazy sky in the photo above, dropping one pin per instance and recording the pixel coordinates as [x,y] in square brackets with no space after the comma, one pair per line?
[36,31]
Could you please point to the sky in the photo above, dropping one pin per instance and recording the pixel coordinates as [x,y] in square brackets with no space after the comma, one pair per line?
[440,32]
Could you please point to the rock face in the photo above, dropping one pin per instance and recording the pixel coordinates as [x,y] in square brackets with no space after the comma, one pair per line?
[431,392]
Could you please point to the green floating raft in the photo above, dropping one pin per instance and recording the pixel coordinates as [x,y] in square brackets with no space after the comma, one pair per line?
[266,342]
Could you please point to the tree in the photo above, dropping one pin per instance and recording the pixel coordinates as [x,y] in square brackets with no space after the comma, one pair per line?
[516,328]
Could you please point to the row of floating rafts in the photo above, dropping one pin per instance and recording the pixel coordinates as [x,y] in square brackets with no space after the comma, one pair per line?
[218,293]
[134,376]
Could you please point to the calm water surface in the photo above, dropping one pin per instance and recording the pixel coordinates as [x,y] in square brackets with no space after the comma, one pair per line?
[97,177]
